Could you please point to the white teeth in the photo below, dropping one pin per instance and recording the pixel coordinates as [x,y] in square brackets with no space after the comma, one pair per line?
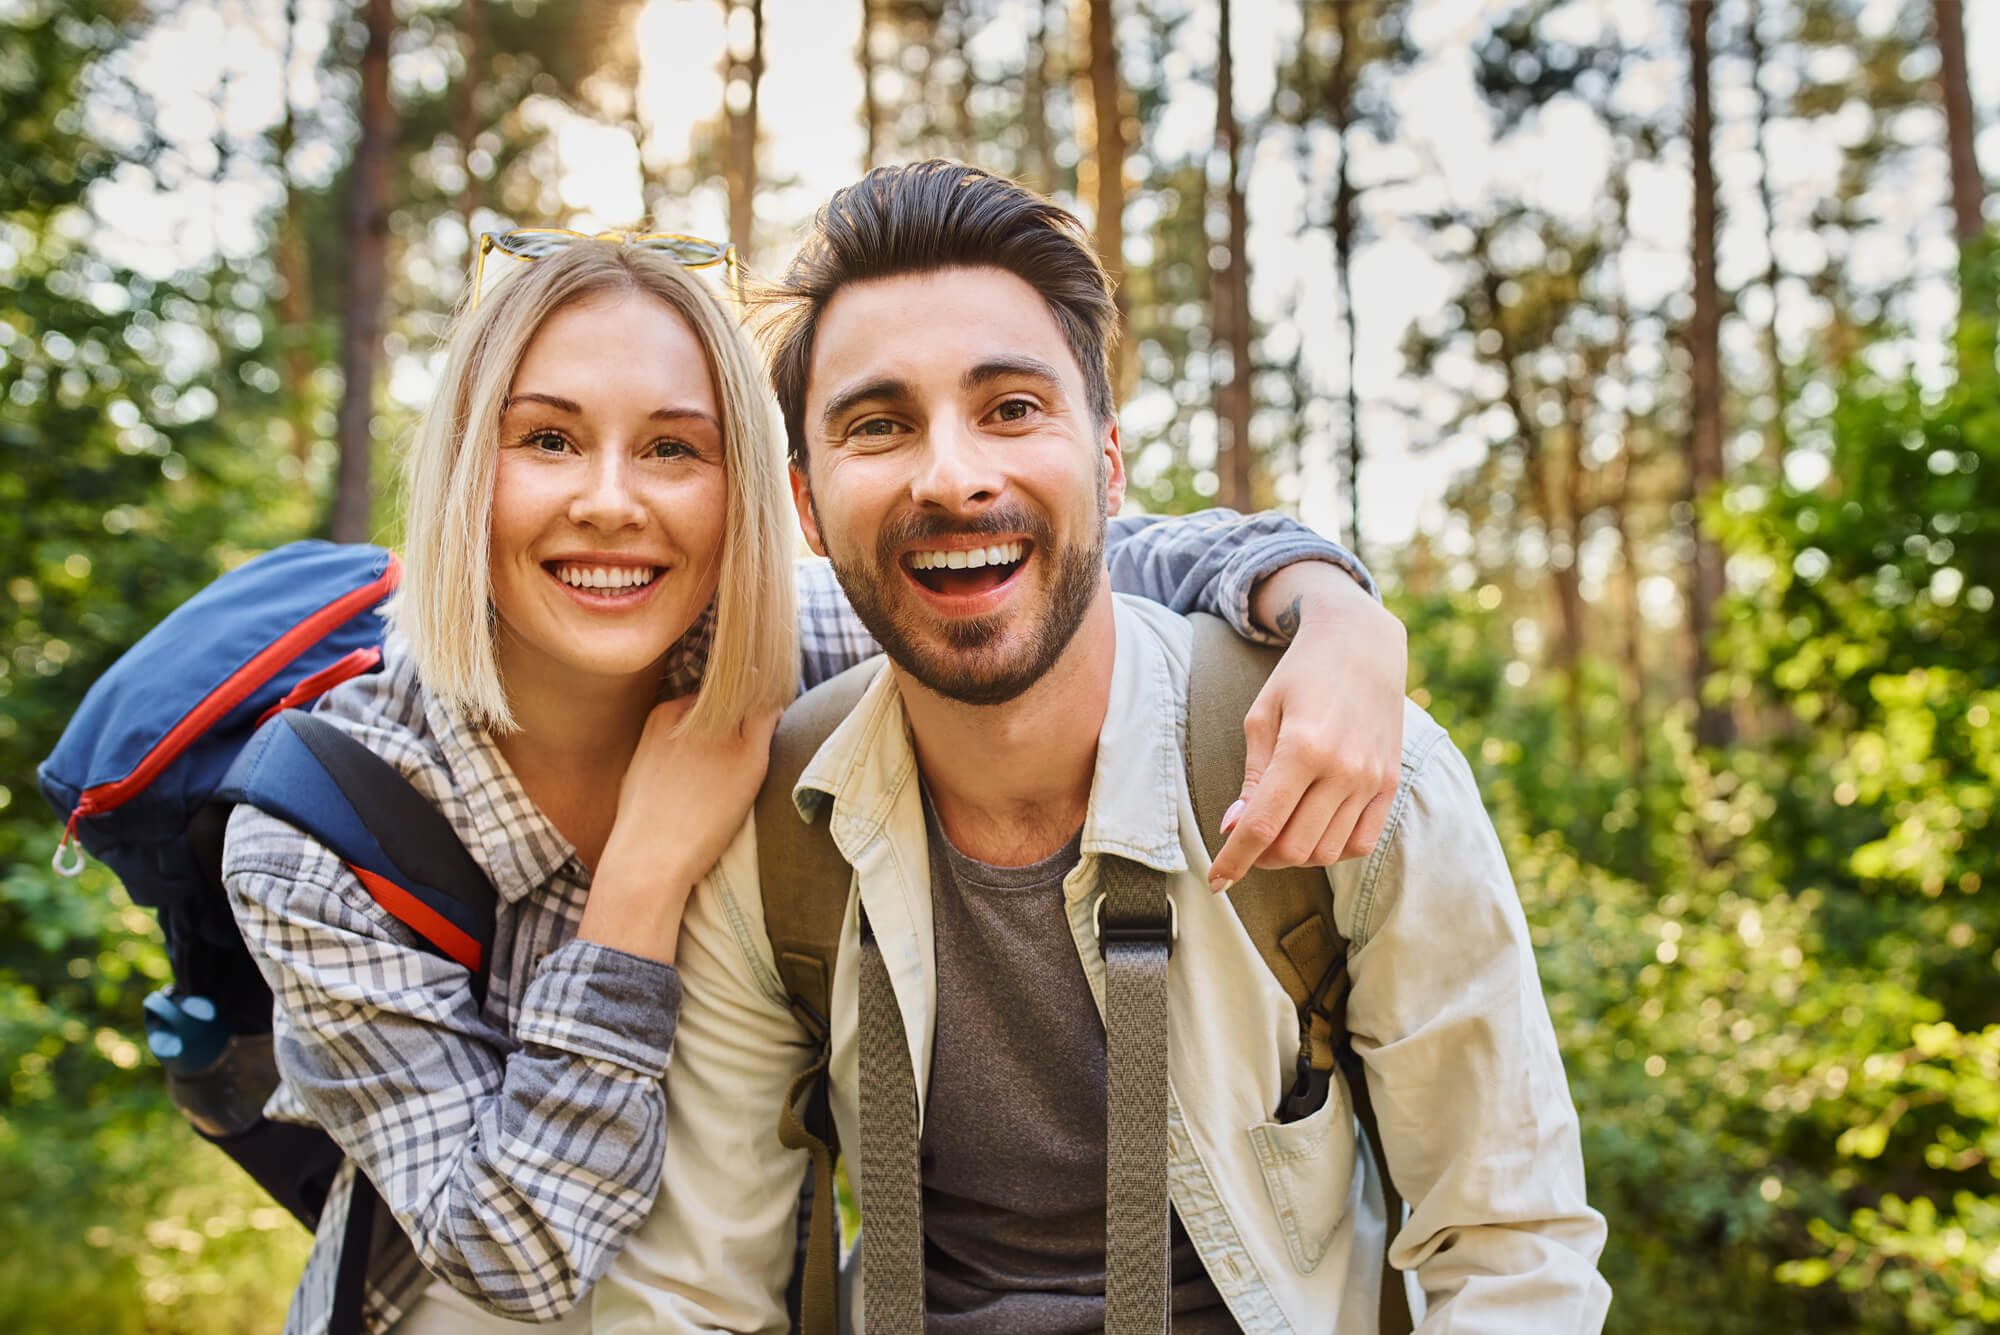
[1005,554]
[605,577]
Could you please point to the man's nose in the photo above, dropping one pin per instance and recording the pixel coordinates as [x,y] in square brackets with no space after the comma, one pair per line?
[958,471]
[605,498]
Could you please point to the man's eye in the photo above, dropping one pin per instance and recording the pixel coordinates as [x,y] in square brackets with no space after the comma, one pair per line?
[874,426]
[1014,410]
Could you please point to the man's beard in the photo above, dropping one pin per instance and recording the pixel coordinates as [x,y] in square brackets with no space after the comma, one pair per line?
[966,669]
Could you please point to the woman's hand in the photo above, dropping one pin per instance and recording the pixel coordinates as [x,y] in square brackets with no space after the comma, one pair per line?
[682,800]
[1325,736]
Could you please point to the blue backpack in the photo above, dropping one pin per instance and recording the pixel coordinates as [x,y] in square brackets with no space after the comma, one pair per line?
[206,712]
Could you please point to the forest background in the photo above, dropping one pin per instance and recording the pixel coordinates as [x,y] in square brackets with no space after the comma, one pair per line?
[1651,345]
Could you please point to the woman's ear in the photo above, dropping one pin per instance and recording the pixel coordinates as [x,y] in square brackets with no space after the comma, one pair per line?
[802,502]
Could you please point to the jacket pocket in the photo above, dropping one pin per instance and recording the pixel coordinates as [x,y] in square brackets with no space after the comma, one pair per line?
[1308,1169]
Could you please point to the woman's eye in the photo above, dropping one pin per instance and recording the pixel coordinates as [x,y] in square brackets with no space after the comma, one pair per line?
[672,449]
[547,442]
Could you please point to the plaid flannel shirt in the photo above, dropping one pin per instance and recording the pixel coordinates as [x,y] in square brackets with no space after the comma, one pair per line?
[517,1145]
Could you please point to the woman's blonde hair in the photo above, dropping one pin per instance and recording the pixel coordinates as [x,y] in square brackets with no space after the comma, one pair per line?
[444,606]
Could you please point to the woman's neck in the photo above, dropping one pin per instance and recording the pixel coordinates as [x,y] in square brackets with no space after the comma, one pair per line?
[570,746]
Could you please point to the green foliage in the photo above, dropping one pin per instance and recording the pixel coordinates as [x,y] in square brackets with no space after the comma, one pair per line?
[1776,990]
[123,488]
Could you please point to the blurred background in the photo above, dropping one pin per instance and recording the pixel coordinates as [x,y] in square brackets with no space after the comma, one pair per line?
[1645,350]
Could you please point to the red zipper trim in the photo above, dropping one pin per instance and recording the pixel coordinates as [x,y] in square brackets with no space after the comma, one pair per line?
[308,689]
[420,918]
[234,690]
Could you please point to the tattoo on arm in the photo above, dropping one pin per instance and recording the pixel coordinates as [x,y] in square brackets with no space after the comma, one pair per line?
[1288,619]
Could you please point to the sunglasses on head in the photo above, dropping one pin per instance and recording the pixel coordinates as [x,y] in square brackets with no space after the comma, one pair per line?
[528,244]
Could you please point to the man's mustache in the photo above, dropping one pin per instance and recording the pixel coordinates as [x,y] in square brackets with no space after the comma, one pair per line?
[909,529]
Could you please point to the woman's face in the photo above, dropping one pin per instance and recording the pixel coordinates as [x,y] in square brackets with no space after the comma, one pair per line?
[609,497]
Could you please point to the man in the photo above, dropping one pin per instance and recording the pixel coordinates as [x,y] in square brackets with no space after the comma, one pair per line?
[942,368]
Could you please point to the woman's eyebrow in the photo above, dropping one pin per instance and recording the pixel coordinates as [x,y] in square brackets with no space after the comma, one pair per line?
[685,414]
[554,401]
[570,406]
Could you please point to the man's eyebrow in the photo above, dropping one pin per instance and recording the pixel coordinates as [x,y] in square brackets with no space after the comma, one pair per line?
[886,387]
[1002,368]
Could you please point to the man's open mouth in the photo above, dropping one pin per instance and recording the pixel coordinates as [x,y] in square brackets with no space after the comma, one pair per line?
[964,571]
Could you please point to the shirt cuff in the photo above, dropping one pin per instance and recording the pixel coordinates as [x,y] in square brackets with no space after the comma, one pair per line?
[595,1001]
[1266,557]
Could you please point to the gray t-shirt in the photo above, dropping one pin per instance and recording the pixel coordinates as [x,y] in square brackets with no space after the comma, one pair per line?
[1014,1130]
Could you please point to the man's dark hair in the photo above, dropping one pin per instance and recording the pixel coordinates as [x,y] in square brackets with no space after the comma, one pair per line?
[921,218]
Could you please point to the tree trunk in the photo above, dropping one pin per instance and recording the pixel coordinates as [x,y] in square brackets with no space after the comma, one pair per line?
[964,145]
[1232,290]
[1341,110]
[1566,570]
[295,300]
[473,19]
[1107,165]
[1776,440]
[1968,189]
[1632,662]
[871,110]
[743,138]
[1039,168]
[367,280]
[1713,726]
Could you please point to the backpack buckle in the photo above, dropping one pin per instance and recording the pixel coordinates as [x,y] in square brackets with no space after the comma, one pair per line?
[1136,931]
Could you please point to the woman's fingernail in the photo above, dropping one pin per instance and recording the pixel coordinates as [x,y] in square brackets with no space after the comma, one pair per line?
[1220,886]
[1231,816]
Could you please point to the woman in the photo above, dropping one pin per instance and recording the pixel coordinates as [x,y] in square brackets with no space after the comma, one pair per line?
[597,521]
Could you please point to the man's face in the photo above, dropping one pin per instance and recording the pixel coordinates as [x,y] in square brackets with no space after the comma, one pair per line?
[957,479]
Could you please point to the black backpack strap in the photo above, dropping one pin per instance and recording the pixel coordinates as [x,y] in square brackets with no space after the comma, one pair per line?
[408,857]
[804,882]
[1288,914]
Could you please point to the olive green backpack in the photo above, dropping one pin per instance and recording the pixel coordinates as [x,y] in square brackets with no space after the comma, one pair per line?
[1288,914]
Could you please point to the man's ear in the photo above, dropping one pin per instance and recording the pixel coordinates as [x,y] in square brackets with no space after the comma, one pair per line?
[802,502]
[1114,479]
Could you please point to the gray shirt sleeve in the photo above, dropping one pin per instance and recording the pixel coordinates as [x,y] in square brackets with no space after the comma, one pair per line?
[516,1163]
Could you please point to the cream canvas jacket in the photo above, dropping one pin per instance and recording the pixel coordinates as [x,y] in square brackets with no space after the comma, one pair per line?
[1446,1011]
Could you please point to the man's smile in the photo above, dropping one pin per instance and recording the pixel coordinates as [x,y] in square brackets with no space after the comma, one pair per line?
[955,573]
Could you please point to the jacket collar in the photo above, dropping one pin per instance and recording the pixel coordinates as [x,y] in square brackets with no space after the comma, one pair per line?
[866,763]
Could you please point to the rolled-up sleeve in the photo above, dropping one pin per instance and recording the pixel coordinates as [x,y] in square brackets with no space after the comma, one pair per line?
[1213,560]
[517,1165]
[1447,1014]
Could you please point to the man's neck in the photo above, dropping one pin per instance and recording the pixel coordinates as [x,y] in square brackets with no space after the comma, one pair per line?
[1011,782]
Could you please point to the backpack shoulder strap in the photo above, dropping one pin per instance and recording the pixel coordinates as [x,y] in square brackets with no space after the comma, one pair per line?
[804,880]
[801,872]
[1288,914]
[310,774]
